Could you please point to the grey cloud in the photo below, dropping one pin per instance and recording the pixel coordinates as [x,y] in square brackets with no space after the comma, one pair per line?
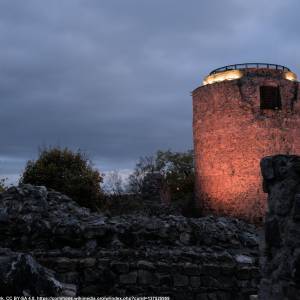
[114,77]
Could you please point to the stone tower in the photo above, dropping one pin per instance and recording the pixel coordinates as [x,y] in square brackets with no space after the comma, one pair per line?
[242,113]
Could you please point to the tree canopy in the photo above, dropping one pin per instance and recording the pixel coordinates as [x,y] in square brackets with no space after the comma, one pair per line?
[68,172]
[176,169]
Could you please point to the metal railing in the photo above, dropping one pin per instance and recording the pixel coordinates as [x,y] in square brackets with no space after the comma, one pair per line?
[250,65]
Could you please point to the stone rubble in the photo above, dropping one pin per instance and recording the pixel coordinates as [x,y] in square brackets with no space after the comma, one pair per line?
[187,258]
[22,275]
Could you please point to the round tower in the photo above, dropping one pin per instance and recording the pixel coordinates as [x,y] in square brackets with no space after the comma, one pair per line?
[242,113]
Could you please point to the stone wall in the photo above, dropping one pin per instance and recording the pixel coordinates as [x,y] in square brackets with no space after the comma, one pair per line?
[205,258]
[232,134]
[20,274]
[281,267]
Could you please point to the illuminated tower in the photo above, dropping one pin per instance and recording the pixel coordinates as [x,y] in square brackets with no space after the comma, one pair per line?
[242,113]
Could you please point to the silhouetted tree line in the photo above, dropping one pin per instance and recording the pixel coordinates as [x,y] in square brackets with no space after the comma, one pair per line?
[168,175]
[2,184]
[176,170]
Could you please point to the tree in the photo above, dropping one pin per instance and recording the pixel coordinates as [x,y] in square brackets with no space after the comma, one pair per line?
[68,172]
[2,185]
[145,165]
[176,168]
[178,171]
[113,183]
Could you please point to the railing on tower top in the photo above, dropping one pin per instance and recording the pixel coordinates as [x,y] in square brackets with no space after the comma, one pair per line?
[250,65]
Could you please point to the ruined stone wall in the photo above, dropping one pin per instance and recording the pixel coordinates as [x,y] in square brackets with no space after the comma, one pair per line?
[281,264]
[232,133]
[185,258]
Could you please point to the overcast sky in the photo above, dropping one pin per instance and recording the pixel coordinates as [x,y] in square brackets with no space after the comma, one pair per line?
[113,78]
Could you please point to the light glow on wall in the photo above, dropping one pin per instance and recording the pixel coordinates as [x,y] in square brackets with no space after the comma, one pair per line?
[221,76]
[290,76]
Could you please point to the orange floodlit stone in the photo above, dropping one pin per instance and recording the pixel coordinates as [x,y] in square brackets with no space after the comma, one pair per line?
[236,122]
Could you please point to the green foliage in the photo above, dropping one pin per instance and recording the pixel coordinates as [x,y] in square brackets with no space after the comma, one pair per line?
[2,185]
[122,204]
[176,168]
[68,172]
[146,164]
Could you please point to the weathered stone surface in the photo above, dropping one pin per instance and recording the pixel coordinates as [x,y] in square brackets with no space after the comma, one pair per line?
[180,280]
[272,232]
[185,238]
[21,275]
[146,265]
[296,212]
[281,267]
[120,267]
[129,254]
[147,278]
[195,281]
[88,262]
[244,259]
[191,269]
[129,278]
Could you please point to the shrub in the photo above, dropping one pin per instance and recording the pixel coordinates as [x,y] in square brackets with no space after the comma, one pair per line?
[2,185]
[67,172]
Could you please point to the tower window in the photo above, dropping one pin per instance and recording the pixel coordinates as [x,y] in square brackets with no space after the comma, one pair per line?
[270,97]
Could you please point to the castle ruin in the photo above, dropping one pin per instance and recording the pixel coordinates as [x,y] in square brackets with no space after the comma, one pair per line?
[242,113]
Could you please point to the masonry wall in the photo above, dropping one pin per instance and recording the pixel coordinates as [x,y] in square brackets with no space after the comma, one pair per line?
[232,133]
[281,264]
[184,258]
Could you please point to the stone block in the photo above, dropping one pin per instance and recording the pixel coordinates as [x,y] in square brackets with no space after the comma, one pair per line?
[180,280]
[87,262]
[129,278]
[69,277]
[244,259]
[191,269]
[163,267]
[207,296]
[89,290]
[64,264]
[195,281]
[227,270]
[210,282]
[92,275]
[210,269]
[147,278]
[185,238]
[120,267]
[164,280]
[145,265]
[244,273]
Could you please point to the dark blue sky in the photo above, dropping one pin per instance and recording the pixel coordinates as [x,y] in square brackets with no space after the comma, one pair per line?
[114,77]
